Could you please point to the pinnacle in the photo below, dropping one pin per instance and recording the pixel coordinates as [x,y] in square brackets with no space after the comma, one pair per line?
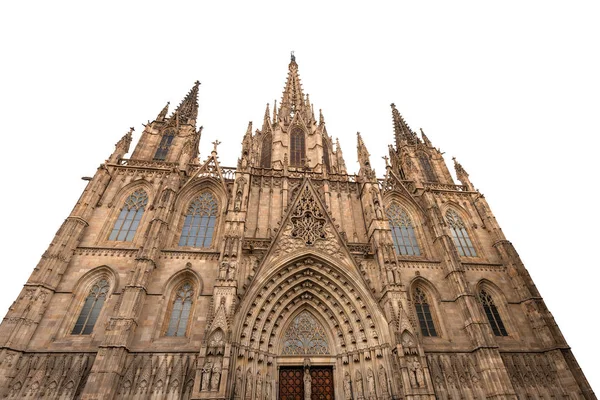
[187,110]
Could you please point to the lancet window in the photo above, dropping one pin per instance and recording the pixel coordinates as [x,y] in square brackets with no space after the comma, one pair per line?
[91,308]
[163,146]
[181,308]
[427,169]
[265,154]
[297,149]
[305,335]
[200,221]
[129,217]
[326,161]
[424,312]
[492,314]
[460,235]
[403,232]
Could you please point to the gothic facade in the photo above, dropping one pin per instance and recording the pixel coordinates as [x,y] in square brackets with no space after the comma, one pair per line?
[285,277]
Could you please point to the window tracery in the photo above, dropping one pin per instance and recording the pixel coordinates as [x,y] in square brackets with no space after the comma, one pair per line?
[492,314]
[305,335]
[460,235]
[265,155]
[297,147]
[129,217]
[403,231]
[200,221]
[308,220]
[163,146]
[423,312]
[180,310]
[427,169]
[91,308]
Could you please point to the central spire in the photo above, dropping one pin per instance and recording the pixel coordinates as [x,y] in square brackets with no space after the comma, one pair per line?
[187,111]
[293,97]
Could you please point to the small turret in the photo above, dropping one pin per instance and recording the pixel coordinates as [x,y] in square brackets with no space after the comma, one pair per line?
[121,147]
[163,113]
[364,159]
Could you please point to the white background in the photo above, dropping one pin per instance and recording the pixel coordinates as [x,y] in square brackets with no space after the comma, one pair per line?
[510,88]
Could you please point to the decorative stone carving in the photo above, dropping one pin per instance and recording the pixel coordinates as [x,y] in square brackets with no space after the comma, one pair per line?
[347,386]
[305,335]
[308,220]
[307,384]
[371,385]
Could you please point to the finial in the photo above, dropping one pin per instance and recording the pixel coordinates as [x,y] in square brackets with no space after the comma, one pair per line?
[131,129]
[387,159]
[197,83]
[215,143]
[293,56]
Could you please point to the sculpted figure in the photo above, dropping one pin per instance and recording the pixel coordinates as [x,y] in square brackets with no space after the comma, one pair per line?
[215,378]
[359,385]
[258,387]
[223,270]
[248,385]
[383,381]
[347,387]
[204,386]
[371,385]
[238,384]
[268,388]
[307,384]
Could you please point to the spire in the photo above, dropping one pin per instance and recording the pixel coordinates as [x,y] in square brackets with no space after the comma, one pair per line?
[425,138]
[462,175]
[187,111]
[340,157]
[122,147]
[402,131]
[293,98]
[274,112]
[321,118]
[163,114]
[363,158]
[266,119]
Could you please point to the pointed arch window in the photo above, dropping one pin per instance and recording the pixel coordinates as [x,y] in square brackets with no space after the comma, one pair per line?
[460,235]
[326,160]
[265,153]
[297,149]
[164,146]
[181,308]
[492,314]
[424,312]
[91,308]
[305,335]
[403,231]
[200,221]
[129,217]
[427,169]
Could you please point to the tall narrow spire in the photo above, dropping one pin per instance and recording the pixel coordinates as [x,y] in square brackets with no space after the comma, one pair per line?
[187,111]
[163,113]
[402,131]
[425,138]
[266,119]
[293,98]
[364,159]
[340,157]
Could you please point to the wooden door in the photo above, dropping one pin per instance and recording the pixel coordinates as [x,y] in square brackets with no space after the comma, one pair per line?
[321,383]
[291,383]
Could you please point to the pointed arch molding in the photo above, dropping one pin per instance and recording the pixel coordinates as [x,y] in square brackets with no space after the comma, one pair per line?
[343,307]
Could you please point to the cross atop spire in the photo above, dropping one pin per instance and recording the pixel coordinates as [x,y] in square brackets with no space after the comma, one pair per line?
[293,97]
[187,111]
[402,131]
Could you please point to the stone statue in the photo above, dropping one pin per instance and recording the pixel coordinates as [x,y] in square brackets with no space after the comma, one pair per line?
[267,388]
[223,270]
[206,369]
[258,387]
[237,205]
[238,384]
[383,384]
[417,379]
[215,378]
[248,385]
[371,385]
[359,385]
[307,384]
[347,387]
[231,270]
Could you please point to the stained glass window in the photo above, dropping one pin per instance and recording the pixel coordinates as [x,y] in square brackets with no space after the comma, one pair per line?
[326,161]
[403,232]
[492,313]
[427,169]
[305,335]
[163,146]
[423,312]
[200,220]
[460,235]
[297,151]
[180,311]
[91,308]
[265,154]
[129,217]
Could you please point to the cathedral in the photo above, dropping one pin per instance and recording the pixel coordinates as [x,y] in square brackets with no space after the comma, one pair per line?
[284,277]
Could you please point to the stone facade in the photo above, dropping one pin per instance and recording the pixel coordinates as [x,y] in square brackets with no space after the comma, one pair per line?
[174,278]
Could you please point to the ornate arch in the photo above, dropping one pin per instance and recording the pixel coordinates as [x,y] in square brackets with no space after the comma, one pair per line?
[311,283]
[434,298]
[304,334]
